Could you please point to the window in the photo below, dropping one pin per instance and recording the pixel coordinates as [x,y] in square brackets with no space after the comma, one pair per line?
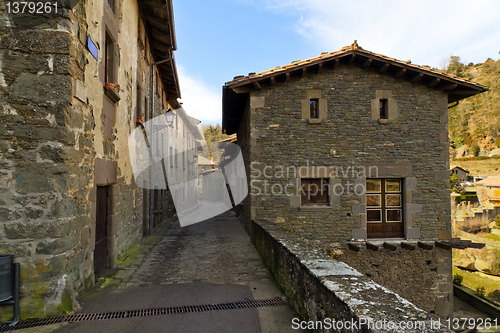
[138,112]
[384,108]
[384,208]
[314,108]
[109,60]
[315,192]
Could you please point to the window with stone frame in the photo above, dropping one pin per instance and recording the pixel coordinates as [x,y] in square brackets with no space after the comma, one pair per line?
[314,108]
[109,60]
[315,192]
[384,108]
[384,208]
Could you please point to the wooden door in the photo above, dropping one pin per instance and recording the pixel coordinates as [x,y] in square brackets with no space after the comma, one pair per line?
[384,208]
[101,233]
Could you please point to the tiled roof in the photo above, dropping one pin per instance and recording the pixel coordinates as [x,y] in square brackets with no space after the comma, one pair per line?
[234,91]
[490,181]
[353,49]
[458,167]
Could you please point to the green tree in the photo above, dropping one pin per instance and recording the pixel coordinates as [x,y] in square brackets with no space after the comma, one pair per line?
[455,67]
[453,180]
[474,149]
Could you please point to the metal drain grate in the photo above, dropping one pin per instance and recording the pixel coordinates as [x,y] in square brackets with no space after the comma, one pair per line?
[143,313]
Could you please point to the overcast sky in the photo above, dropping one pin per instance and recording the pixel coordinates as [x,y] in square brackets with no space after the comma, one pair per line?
[220,39]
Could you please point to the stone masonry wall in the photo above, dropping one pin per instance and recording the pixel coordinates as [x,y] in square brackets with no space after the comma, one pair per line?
[413,146]
[54,148]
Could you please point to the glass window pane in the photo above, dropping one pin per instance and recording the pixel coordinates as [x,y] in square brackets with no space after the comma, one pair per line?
[392,185]
[373,185]
[373,200]
[374,215]
[393,200]
[394,215]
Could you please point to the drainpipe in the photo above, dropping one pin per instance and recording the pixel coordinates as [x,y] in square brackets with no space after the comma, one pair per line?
[151,115]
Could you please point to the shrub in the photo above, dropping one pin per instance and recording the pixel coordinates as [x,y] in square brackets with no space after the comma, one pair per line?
[497,142]
[497,220]
[480,291]
[474,149]
[457,279]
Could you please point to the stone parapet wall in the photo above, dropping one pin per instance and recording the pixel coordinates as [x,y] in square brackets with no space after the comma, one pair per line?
[322,289]
[407,270]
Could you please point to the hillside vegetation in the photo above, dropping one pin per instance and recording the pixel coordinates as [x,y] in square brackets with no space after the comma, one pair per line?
[475,122]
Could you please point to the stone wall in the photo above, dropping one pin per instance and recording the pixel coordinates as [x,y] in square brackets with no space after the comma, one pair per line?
[347,145]
[325,291]
[57,146]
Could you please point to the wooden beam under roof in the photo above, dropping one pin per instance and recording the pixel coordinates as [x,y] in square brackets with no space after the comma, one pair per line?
[383,69]
[449,86]
[154,4]
[434,82]
[337,62]
[400,73]
[367,63]
[417,78]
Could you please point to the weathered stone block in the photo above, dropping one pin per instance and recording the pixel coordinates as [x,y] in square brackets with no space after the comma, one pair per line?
[40,41]
[59,245]
[45,88]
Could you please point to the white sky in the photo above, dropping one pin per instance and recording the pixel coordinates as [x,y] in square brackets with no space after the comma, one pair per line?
[220,39]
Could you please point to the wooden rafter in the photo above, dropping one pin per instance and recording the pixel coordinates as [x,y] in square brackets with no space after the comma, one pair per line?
[417,78]
[367,63]
[383,69]
[400,73]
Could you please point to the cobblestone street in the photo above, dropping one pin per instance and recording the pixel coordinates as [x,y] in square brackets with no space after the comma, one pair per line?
[205,263]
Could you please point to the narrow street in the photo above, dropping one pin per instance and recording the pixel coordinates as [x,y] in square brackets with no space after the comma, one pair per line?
[205,263]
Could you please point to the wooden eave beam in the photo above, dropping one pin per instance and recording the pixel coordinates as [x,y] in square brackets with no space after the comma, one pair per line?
[242,89]
[417,78]
[434,82]
[155,4]
[367,63]
[400,73]
[383,69]
[337,62]
[257,85]
[351,59]
[446,87]
[272,80]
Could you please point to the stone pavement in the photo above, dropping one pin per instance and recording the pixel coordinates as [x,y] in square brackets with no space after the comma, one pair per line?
[208,262]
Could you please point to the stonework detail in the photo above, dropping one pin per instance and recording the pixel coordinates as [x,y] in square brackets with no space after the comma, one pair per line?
[374,123]
[60,139]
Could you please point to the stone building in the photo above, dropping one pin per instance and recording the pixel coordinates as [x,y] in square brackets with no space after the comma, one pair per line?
[461,173]
[349,152]
[74,83]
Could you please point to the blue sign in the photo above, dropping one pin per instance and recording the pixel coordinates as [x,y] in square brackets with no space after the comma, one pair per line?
[92,47]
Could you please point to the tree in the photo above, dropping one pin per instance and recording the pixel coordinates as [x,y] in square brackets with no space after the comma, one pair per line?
[453,180]
[474,149]
[497,142]
[455,67]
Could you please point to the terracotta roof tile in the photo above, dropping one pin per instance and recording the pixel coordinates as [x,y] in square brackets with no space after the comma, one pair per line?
[356,49]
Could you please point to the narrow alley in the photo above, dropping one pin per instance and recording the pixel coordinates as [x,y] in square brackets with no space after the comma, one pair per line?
[205,263]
